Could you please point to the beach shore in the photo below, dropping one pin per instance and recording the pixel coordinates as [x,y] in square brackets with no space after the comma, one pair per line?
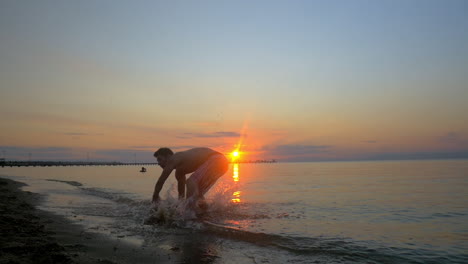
[30,235]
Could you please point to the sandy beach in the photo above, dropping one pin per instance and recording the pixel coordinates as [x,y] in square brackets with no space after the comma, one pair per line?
[24,237]
[30,235]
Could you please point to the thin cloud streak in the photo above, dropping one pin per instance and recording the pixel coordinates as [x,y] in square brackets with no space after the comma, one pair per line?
[75,134]
[463,154]
[453,138]
[295,152]
[37,153]
[219,134]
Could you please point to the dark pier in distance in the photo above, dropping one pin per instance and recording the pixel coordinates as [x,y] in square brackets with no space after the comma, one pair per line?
[254,161]
[70,163]
[95,163]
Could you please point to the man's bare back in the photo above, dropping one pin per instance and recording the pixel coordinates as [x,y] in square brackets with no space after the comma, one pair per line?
[190,160]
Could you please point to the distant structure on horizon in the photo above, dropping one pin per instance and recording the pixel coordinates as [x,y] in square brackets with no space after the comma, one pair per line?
[4,163]
[254,161]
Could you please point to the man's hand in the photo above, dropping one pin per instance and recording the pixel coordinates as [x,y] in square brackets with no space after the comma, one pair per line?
[159,184]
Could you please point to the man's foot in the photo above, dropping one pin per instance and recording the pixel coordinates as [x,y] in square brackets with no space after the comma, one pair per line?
[151,221]
[201,210]
[202,204]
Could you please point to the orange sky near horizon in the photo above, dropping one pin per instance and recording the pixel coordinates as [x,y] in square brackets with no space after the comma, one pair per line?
[295,81]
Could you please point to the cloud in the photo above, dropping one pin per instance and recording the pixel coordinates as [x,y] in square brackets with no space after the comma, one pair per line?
[36,153]
[417,155]
[81,134]
[117,151]
[207,124]
[369,141]
[75,134]
[142,147]
[296,150]
[37,149]
[304,153]
[211,135]
[92,125]
[453,138]
[183,147]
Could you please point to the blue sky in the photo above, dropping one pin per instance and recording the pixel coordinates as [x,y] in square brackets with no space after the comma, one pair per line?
[103,76]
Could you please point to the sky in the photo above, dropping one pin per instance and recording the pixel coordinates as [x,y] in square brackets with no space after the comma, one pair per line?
[286,80]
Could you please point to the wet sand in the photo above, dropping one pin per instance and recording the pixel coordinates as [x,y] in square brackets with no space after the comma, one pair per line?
[24,238]
[30,235]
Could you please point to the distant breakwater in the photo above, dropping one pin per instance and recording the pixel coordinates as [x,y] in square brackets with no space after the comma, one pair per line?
[70,163]
[96,163]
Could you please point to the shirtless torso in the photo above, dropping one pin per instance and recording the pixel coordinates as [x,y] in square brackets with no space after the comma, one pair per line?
[190,160]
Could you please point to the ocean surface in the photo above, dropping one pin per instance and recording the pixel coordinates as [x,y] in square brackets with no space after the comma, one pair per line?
[330,212]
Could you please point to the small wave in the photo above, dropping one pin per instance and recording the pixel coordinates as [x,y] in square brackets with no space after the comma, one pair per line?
[298,245]
[337,250]
[448,214]
[72,183]
[119,197]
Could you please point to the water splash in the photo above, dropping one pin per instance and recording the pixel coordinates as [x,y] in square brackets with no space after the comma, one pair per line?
[174,212]
[171,212]
[218,207]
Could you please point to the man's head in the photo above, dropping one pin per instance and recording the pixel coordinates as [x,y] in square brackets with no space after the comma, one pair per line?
[162,155]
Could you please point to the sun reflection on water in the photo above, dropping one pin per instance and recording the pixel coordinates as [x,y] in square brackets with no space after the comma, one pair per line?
[236,198]
[235,178]
[235,172]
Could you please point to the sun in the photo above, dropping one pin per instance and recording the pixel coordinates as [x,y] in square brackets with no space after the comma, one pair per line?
[235,155]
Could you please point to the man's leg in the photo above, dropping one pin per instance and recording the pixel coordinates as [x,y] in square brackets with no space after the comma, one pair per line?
[192,188]
[205,176]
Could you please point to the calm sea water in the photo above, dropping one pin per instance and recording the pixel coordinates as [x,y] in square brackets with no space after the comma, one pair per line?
[336,212]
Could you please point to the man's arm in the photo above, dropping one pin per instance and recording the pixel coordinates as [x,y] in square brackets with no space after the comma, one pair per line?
[180,176]
[162,179]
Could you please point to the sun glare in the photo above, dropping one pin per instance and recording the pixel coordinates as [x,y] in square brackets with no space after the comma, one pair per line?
[235,155]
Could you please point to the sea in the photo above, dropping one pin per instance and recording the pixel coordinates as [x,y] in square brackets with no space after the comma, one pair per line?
[309,212]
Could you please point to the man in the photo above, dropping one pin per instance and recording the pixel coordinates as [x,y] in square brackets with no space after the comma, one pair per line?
[206,164]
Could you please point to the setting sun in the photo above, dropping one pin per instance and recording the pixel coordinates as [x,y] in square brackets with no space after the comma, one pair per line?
[235,155]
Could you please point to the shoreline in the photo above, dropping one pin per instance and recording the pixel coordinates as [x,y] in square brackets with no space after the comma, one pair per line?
[31,235]
[23,237]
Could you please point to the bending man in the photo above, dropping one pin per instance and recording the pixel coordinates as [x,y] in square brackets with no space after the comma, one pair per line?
[206,164]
